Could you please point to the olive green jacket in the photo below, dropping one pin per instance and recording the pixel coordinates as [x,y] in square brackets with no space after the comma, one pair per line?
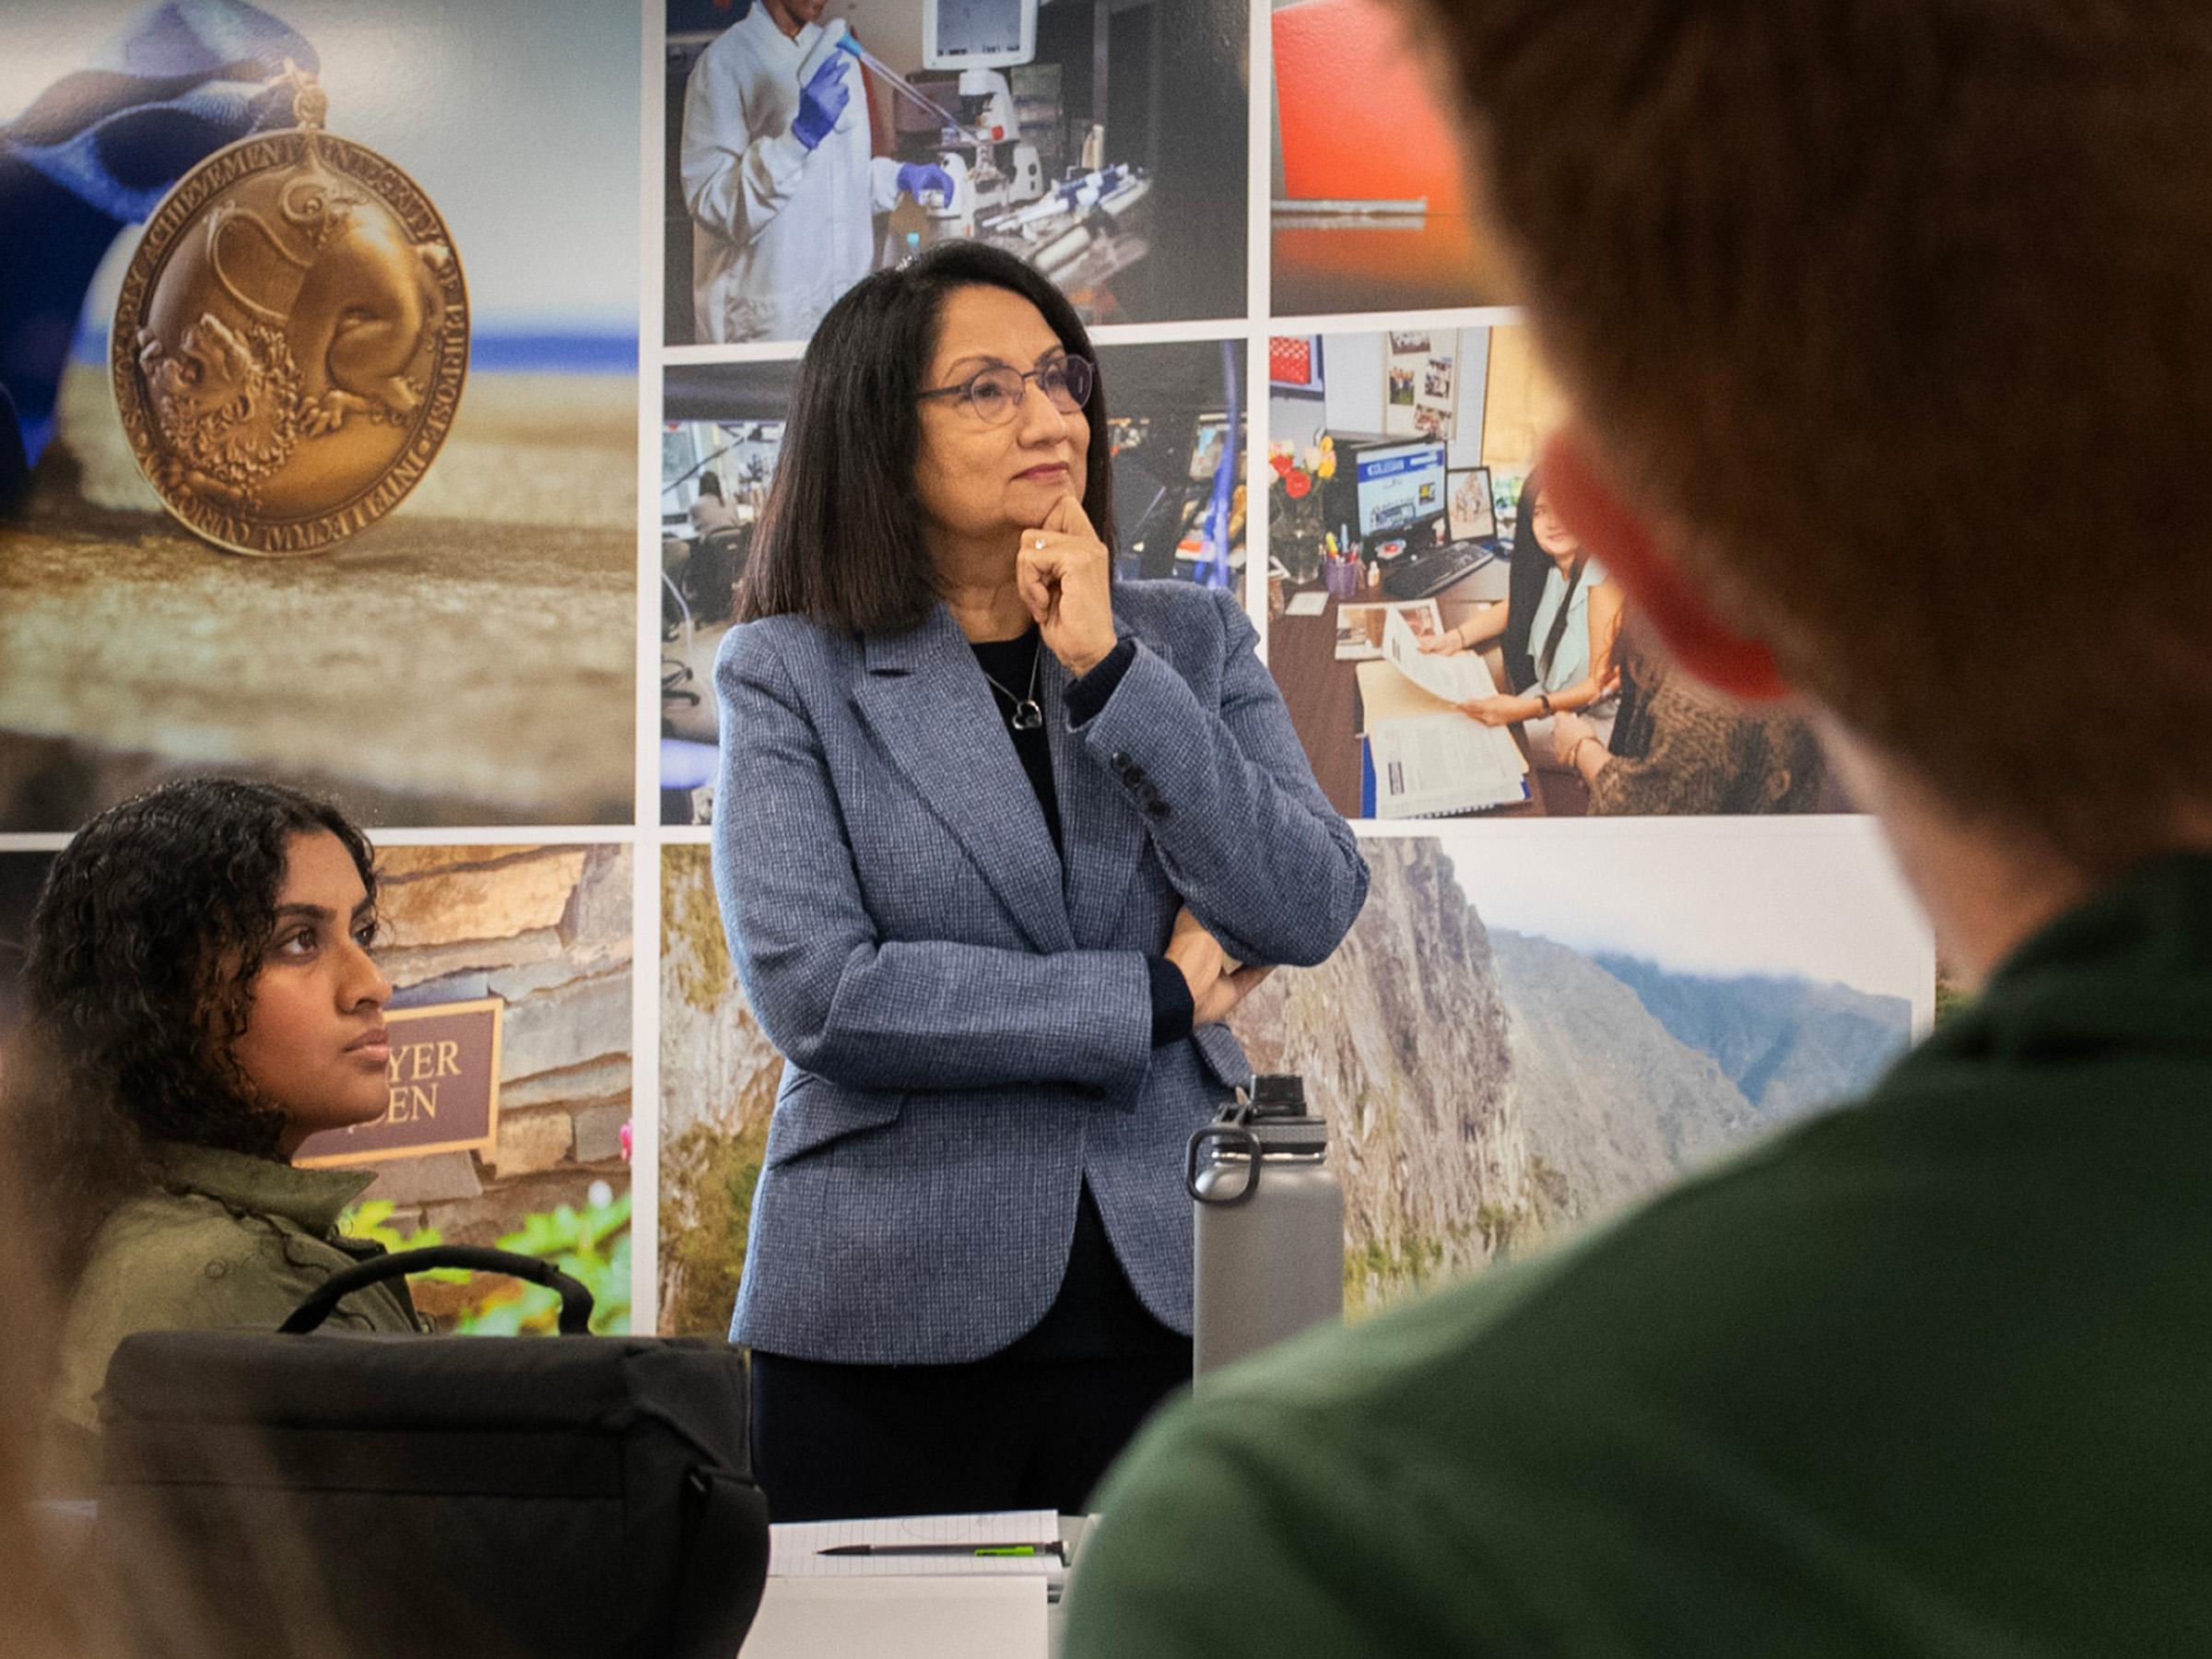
[229,1241]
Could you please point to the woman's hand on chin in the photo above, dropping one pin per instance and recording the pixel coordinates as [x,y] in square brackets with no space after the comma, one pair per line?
[1065,577]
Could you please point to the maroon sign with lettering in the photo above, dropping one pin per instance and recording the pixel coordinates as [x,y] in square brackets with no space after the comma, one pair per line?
[442,1088]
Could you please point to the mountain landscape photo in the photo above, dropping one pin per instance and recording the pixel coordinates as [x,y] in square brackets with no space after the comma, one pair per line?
[1790,1045]
[1490,1088]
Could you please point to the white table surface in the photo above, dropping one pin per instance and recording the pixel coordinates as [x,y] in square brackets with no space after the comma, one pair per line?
[901,1618]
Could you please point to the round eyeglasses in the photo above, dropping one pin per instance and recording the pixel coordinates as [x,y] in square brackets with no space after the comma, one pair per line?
[995,393]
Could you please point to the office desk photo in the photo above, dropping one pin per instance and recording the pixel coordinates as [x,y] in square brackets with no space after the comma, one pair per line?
[1323,694]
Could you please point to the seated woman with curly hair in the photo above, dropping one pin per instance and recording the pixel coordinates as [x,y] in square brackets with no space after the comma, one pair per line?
[200,999]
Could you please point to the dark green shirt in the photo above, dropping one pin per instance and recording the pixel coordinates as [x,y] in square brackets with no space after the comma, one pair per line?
[227,1241]
[1929,1375]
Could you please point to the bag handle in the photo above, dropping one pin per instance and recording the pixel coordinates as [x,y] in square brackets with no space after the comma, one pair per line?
[575,1301]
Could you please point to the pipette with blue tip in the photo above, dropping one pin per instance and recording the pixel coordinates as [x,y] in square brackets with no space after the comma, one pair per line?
[845,42]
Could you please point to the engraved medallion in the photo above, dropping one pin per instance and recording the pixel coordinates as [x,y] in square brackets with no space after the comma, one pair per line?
[289,350]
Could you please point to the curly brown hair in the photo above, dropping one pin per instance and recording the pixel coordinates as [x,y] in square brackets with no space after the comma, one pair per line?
[149,935]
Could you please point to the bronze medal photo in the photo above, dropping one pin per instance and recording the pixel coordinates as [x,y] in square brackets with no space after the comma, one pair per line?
[291,339]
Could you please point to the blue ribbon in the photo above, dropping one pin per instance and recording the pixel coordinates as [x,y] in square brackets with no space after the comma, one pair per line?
[98,149]
[1215,573]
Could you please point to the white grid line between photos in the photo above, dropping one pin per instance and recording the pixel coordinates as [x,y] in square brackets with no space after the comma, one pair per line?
[736,351]
[493,835]
[1259,275]
[1329,322]
[646,872]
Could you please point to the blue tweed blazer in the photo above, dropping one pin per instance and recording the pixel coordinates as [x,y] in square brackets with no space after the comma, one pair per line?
[965,1019]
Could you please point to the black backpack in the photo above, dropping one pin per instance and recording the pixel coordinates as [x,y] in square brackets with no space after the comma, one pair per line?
[315,1494]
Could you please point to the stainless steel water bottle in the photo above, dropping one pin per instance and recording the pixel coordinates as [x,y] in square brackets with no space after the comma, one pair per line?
[1269,1219]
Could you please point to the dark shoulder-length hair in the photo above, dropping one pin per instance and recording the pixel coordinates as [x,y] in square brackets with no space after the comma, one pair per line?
[1524,589]
[1527,659]
[145,946]
[839,539]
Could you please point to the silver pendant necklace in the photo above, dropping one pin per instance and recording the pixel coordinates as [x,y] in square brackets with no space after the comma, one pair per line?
[1025,716]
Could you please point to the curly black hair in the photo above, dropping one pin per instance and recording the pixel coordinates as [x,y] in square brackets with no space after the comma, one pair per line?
[147,937]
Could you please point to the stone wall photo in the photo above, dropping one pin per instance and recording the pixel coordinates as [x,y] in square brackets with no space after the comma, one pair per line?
[545,929]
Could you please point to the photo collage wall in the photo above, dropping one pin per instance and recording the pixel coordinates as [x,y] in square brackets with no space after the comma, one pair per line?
[389,409]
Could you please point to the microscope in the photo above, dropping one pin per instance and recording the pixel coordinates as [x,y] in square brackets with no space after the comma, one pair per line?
[981,38]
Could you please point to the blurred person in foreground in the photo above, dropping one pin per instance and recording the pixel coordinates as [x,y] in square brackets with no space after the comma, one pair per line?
[1932,1375]
[37,1620]
[199,1001]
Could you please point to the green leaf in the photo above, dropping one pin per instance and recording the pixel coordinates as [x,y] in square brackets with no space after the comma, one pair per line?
[372,1222]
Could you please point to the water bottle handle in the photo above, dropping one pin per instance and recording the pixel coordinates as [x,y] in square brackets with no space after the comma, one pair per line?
[1231,1132]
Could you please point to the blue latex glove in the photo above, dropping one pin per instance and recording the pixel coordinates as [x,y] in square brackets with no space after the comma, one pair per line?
[918,176]
[99,149]
[822,102]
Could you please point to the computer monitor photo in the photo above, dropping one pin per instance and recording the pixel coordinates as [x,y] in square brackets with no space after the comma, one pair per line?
[1395,489]
[977,34]
[1472,513]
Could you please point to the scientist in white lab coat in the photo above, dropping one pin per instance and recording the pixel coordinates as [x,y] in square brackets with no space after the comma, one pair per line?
[779,178]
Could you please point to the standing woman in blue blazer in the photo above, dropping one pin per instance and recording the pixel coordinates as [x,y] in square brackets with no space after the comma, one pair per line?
[998,843]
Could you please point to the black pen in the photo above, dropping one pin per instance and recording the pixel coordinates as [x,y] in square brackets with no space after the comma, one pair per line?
[992,1550]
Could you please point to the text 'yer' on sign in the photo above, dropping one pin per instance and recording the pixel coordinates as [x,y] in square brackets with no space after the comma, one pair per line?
[442,1088]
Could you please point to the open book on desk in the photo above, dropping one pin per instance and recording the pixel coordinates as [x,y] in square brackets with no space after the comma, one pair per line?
[918,1546]
[1423,758]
